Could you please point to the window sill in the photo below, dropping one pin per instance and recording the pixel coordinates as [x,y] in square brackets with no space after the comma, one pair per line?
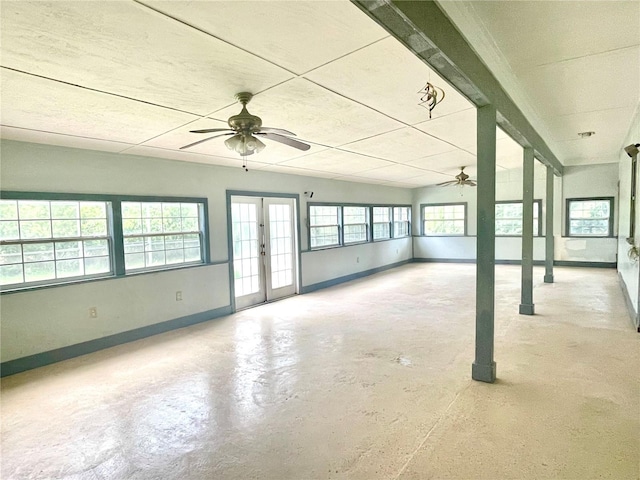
[30,288]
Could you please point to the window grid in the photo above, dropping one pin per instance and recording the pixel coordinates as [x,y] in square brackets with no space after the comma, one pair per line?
[381,223]
[246,254]
[509,218]
[158,234]
[401,222]
[334,225]
[324,226]
[281,243]
[49,239]
[45,240]
[355,224]
[590,217]
[444,219]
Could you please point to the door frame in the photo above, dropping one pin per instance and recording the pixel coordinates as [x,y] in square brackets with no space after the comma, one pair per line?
[298,251]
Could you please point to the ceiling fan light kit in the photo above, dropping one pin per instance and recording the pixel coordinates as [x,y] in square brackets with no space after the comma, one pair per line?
[245,129]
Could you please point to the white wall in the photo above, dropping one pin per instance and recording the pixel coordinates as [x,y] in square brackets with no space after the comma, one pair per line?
[580,181]
[628,268]
[40,320]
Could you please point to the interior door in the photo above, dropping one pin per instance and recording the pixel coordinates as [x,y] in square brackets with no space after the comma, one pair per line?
[264,249]
[280,252]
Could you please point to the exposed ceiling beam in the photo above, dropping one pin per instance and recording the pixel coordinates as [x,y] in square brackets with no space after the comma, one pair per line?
[425,30]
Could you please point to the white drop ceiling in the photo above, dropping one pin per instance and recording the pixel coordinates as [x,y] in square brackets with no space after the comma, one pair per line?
[135,76]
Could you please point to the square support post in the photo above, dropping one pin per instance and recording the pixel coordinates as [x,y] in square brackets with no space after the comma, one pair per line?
[526,298]
[484,368]
[549,246]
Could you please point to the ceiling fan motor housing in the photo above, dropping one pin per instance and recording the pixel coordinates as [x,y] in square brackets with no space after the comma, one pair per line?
[245,122]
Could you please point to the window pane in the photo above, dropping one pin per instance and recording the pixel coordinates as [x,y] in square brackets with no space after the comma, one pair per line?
[70,268]
[65,210]
[444,219]
[589,217]
[51,220]
[10,254]
[35,229]
[148,249]
[36,272]
[9,230]
[34,210]
[8,209]
[37,252]
[68,250]
[66,228]
[96,265]
[11,274]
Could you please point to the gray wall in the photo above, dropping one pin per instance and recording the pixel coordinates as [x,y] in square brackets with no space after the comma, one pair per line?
[40,320]
[580,181]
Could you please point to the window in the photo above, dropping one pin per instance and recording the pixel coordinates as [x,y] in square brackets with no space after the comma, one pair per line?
[509,218]
[56,238]
[324,225]
[590,217]
[444,219]
[340,225]
[160,233]
[401,222]
[44,241]
[381,223]
[355,224]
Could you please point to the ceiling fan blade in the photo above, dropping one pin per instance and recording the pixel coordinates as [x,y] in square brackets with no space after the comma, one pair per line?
[211,130]
[444,184]
[276,130]
[205,140]
[286,140]
[471,183]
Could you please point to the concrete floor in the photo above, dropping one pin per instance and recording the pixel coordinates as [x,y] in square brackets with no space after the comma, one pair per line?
[367,380]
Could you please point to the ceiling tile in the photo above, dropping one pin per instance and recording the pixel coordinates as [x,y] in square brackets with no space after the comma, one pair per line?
[445,162]
[392,173]
[357,179]
[315,114]
[388,77]
[400,145]
[39,104]
[458,128]
[131,50]
[48,138]
[157,152]
[297,171]
[316,32]
[535,33]
[337,162]
[598,82]
[429,178]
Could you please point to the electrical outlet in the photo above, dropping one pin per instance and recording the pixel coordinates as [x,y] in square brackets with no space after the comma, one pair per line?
[178,296]
[396,251]
[357,259]
[93,312]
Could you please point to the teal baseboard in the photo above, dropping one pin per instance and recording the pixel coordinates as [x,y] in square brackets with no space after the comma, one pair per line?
[348,278]
[30,362]
[557,263]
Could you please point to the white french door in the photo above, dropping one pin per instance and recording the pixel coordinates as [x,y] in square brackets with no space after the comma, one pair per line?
[264,249]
